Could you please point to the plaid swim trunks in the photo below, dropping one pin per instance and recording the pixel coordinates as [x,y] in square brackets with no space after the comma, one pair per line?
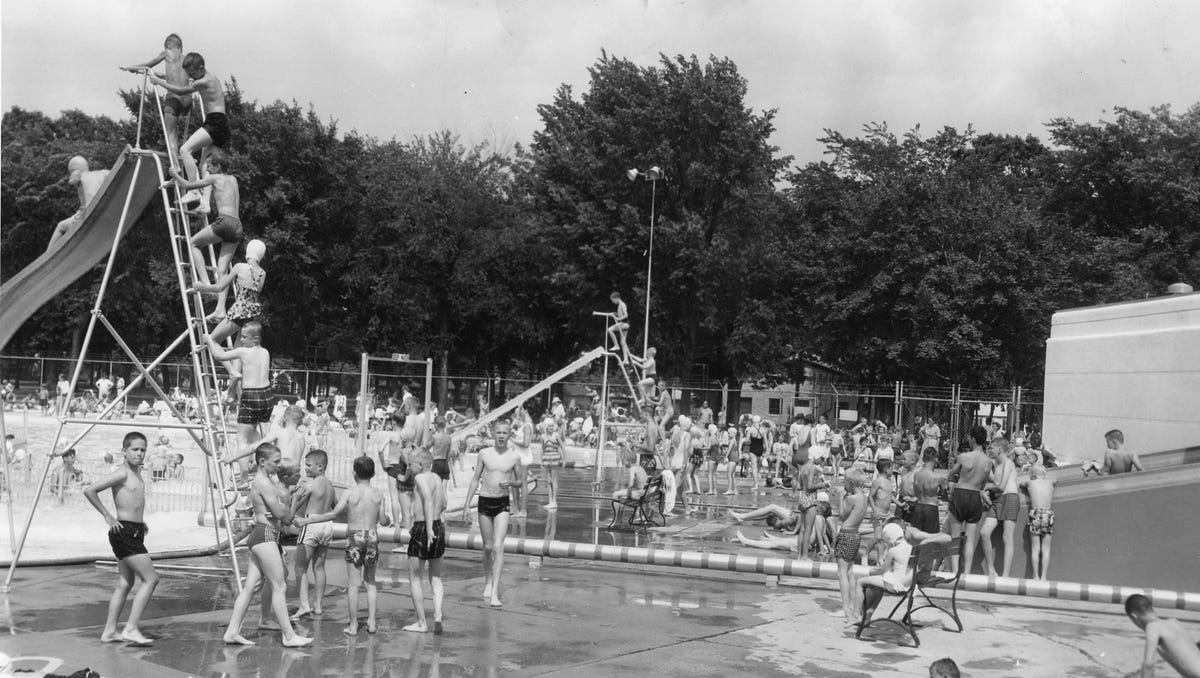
[845,547]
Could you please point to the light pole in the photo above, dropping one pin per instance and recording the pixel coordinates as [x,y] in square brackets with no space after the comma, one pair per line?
[652,175]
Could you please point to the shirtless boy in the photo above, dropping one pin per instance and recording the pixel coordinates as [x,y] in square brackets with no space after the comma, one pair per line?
[215,130]
[174,106]
[970,474]
[225,231]
[393,459]
[1166,636]
[271,511]
[254,407]
[881,498]
[649,368]
[1041,518]
[845,546]
[809,481]
[495,471]
[619,327]
[924,515]
[1118,459]
[635,483]
[440,448]
[312,544]
[87,184]
[127,535]
[1005,509]
[365,512]
[427,542]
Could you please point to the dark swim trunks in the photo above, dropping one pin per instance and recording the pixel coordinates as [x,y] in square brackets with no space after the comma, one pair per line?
[179,106]
[227,228]
[255,406]
[129,540]
[493,506]
[442,468]
[966,505]
[217,126]
[416,542]
[925,518]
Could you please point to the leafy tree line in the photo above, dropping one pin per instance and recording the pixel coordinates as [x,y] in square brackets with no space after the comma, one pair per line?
[929,258]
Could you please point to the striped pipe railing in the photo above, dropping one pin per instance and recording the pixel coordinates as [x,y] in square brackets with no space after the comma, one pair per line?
[788,567]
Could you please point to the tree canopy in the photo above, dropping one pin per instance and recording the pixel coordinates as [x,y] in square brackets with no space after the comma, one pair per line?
[930,258]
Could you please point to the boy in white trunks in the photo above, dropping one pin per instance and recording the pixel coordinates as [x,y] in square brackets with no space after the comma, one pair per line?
[365,512]
[495,471]
[87,184]
[175,107]
[316,496]
[225,232]
[427,542]
[1040,490]
[127,536]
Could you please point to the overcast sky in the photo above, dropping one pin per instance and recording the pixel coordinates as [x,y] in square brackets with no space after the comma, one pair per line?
[397,68]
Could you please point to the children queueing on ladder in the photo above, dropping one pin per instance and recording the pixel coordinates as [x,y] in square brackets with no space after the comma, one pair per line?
[214,131]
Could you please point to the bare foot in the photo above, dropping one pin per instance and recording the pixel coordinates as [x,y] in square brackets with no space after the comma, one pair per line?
[317,612]
[417,627]
[495,602]
[351,630]
[740,538]
[135,637]
[371,628]
[297,640]
[236,639]
[268,626]
[838,613]
[301,614]
[113,637]
[487,591]
[736,518]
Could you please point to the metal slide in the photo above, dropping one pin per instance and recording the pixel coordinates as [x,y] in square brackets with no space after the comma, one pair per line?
[537,388]
[83,247]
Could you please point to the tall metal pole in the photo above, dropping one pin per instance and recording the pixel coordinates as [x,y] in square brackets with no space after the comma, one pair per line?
[362,408]
[649,267]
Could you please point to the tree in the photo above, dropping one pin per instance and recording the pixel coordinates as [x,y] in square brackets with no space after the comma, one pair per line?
[712,209]
[930,258]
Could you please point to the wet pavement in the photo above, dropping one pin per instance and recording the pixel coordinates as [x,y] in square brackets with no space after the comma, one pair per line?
[563,617]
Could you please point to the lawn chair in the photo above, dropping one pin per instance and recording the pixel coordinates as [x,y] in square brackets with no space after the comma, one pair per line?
[924,558]
[644,507]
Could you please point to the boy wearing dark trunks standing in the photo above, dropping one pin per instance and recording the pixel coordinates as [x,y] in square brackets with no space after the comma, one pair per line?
[225,231]
[127,535]
[495,471]
[215,130]
[970,474]
[427,542]
[439,448]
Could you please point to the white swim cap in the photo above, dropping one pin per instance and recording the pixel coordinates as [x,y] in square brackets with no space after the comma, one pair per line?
[77,164]
[892,533]
[256,249]
[755,419]
[685,423]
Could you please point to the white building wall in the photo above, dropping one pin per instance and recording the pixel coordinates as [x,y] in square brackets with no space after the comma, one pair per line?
[1132,366]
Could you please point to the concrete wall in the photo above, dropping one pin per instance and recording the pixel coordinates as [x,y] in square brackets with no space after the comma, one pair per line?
[1133,366]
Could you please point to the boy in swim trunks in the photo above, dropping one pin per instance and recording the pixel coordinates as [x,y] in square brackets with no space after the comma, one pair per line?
[970,474]
[635,484]
[272,511]
[495,472]
[254,407]
[214,131]
[225,232]
[127,535]
[365,511]
[924,514]
[175,107]
[845,546]
[1005,509]
[1040,490]
[619,327]
[809,481]
[427,542]
[440,448]
[312,544]
[1165,636]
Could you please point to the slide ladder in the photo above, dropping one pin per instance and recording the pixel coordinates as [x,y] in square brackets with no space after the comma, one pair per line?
[519,400]
[217,435]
